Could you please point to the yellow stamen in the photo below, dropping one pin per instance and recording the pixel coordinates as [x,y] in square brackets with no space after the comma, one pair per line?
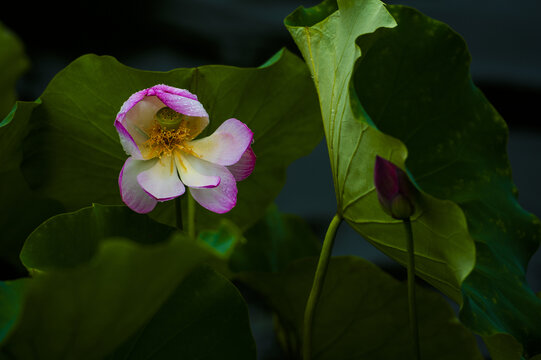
[179,160]
[163,142]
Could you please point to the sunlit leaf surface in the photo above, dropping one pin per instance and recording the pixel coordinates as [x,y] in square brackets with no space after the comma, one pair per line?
[326,36]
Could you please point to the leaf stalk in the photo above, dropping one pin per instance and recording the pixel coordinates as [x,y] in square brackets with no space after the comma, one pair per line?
[317,286]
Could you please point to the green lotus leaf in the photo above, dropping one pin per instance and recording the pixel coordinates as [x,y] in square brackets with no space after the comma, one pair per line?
[205,318]
[87,311]
[457,151]
[11,298]
[81,232]
[326,36]
[73,153]
[13,63]
[100,276]
[412,82]
[22,211]
[273,242]
[362,314]
[504,347]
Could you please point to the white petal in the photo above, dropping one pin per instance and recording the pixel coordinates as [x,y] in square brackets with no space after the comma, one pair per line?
[226,145]
[193,171]
[131,192]
[161,181]
[140,118]
[127,142]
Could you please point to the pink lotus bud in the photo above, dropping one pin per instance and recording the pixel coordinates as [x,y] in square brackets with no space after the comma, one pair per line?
[395,190]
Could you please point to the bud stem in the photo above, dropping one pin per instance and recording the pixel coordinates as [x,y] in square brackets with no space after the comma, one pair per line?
[411,290]
[319,278]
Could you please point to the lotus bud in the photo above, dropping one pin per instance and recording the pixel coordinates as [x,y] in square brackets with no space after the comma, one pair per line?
[394,188]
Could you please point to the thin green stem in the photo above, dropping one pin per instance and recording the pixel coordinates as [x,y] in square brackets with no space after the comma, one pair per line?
[191,216]
[178,213]
[411,290]
[319,278]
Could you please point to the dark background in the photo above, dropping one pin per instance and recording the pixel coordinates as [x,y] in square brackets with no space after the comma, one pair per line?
[503,36]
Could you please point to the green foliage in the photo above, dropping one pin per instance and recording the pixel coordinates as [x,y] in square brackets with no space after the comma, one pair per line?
[24,211]
[362,313]
[444,249]
[13,63]
[269,245]
[461,157]
[90,292]
[11,295]
[109,283]
[274,242]
[412,82]
[74,154]
[80,234]
[504,347]
[205,318]
[223,240]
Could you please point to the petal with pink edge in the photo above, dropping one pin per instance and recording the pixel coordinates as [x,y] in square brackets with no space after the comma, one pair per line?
[134,119]
[244,167]
[194,172]
[197,118]
[222,198]
[226,145]
[131,102]
[131,192]
[182,104]
[172,90]
[161,181]
[141,117]
[127,142]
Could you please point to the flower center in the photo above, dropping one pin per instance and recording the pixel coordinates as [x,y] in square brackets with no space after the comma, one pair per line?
[167,134]
[169,118]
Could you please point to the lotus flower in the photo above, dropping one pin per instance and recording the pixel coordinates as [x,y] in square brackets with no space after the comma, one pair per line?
[395,191]
[158,127]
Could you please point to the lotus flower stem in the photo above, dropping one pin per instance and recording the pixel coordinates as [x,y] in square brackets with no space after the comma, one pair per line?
[178,213]
[317,286]
[191,217]
[411,290]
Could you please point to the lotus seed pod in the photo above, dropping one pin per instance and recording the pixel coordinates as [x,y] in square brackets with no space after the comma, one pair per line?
[168,118]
